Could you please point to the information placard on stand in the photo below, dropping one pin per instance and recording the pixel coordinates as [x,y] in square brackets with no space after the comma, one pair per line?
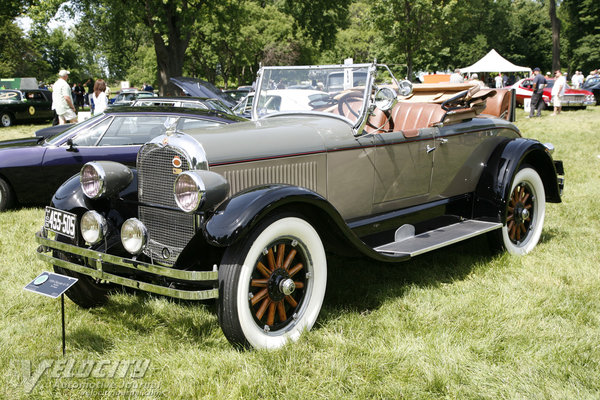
[53,285]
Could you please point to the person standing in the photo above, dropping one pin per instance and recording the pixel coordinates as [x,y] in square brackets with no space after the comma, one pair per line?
[539,83]
[456,77]
[499,81]
[99,97]
[62,100]
[558,91]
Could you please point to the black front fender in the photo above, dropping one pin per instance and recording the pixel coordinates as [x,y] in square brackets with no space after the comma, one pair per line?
[235,218]
[70,196]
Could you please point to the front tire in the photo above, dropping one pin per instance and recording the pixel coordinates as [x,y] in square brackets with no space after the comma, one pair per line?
[88,292]
[6,119]
[272,284]
[525,210]
[7,196]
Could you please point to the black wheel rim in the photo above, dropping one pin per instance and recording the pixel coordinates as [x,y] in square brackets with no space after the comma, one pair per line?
[271,303]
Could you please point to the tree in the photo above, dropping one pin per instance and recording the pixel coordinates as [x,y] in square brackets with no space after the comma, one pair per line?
[555,35]
[582,30]
[407,30]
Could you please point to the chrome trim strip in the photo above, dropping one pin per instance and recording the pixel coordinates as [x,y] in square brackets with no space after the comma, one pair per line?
[147,287]
[192,276]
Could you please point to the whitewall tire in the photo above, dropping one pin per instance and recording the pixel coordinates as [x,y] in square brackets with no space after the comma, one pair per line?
[526,207]
[272,284]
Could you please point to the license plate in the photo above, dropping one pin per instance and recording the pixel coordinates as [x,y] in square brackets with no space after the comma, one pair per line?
[60,221]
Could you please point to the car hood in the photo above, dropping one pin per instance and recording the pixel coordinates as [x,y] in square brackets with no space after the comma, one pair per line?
[25,142]
[199,88]
[263,139]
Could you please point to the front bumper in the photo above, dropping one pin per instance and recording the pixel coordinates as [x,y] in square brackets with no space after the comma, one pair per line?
[100,260]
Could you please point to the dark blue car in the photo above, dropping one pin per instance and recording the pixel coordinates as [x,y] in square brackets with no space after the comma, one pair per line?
[32,169]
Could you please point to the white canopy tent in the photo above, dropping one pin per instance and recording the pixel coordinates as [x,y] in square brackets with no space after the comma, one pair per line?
[493,62]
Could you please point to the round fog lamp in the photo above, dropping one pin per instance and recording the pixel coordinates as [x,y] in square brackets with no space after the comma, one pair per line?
[189,191]
[92,180]
[134,236]
[93,227]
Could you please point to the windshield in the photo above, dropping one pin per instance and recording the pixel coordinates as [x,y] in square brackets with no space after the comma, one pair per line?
[58,138]
[337,90]
[10,95]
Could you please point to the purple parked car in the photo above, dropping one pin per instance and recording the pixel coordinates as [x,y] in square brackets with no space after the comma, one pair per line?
[32,169]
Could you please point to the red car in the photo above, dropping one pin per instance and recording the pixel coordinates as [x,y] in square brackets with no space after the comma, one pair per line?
[572,97]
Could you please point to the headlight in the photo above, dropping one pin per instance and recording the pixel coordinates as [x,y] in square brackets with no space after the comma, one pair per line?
[93,227]
[134,236]
[199,189]
[189,191]
[92,180]
[104,178]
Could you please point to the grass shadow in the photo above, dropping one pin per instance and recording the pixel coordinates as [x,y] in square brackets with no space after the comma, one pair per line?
[84,338]
[362,285]
[137,312]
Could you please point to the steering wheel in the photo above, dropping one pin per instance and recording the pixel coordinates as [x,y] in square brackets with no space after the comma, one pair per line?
[346,100]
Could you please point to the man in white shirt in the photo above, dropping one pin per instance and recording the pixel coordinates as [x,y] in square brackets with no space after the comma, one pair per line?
[558,91]
[456,77]
[62,100]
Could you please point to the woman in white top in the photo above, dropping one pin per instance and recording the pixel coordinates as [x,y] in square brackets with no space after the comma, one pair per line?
[99,97]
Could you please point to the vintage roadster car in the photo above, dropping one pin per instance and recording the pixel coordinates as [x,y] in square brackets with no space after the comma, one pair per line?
[245,213]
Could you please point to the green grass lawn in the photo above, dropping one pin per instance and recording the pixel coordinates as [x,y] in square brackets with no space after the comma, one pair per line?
[458,323]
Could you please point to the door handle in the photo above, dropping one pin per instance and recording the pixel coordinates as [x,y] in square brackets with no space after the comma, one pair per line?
[443,140]
[430,149]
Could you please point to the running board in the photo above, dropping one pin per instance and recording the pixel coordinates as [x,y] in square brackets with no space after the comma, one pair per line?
[406,244]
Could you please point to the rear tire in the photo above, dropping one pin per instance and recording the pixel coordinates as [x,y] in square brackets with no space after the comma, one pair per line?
[7,196]
[6,119]
[272,284]
[525,210]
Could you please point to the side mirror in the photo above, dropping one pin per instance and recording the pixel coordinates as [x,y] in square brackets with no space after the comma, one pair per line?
[71,146]
[385,98]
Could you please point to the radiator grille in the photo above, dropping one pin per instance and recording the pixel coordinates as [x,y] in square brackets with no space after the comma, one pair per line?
[168,231]
[302,174]
[575,98]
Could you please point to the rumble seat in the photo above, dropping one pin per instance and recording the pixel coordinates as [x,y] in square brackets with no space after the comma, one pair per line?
[407,117]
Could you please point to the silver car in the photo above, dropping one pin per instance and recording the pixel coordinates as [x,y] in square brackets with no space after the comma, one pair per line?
[245,213]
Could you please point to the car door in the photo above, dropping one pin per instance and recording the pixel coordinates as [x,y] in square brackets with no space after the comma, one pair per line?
[403,167]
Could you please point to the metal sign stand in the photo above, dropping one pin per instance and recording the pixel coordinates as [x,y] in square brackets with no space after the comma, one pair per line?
[53,285]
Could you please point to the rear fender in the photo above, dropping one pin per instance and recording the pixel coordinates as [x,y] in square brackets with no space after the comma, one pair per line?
[494,186]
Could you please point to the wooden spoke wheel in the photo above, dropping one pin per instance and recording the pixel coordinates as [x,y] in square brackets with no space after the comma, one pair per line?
[272,283]
[525,209]
[520,209]
[277,287]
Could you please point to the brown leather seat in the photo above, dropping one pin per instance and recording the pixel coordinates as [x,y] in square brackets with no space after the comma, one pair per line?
[499,105]
[409,117]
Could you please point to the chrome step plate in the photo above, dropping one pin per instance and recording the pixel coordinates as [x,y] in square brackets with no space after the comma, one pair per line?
[437,238]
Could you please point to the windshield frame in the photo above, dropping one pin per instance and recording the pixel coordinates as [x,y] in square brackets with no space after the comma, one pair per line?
[263,83]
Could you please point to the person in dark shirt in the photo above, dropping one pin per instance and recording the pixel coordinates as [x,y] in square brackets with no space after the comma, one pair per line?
[539,82]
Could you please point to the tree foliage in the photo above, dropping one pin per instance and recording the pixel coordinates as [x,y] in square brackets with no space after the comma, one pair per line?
[225,41]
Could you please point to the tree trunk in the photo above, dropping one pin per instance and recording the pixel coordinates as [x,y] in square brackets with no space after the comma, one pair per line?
[555,36]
